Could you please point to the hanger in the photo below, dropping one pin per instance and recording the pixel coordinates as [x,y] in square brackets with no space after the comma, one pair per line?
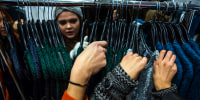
[127,45]
[97,23]
[105,25]
[171,32]
[178,33]
[109,33]
[125,28]
[92,34]
[185,32]
[39,25]
[21,31]
[45,27]
[31,27]
[121,27]
[84,26]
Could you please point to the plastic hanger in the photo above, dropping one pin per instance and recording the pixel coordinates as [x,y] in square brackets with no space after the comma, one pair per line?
[178,33]
[51,30]
[45,26]
[125,27]
[105,26]
[184,32]
[132,42]
[39,24]
[84,26]
[166,37]
[21,31]
[130,29]
[171,32]
[97,23]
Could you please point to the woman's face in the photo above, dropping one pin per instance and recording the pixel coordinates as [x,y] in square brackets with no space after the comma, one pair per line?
[69,24]
[2,28]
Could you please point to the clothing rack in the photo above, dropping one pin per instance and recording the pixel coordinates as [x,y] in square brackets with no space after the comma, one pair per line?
[130,3]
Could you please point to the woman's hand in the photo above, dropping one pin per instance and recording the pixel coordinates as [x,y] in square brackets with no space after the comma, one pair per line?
[88,63]
[164,70]
[133,64]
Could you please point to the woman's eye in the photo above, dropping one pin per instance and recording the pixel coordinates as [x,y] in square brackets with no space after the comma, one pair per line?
[63,22]
[73,20]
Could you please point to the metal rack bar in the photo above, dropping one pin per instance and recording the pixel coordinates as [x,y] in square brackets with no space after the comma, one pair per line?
[106,3]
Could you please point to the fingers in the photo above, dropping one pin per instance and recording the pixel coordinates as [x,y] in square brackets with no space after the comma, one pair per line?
[101,43]
[143,62]
[173,58]
[161,55]
[173,71]
[168,56]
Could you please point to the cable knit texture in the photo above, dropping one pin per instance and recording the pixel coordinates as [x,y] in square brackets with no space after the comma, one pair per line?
[115,85]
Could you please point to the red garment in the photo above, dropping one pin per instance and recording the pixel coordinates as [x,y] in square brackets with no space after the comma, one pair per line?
[66,96]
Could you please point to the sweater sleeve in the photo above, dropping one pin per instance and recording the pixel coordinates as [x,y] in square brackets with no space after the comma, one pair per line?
[66,96]
[115,85]
[167,94]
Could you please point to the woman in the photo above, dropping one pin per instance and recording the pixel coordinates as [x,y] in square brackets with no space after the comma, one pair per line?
[4,47]
[125,75]
[7,59]
[70,22]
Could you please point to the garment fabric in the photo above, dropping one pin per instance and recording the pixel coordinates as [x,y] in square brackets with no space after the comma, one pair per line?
[35,58]
[66,96]
[187,69]
[193,93]
[115,85]
[143,90]
[159,46]
[194,46]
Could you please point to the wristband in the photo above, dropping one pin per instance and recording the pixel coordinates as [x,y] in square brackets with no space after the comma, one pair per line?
[77,84]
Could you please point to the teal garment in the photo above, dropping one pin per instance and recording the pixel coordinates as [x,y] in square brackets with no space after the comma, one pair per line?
[80,49]
[29,58]
[42,62]
[67,62]
[109,56]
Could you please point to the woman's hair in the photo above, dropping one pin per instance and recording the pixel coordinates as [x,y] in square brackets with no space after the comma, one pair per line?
[8,19]
[7,16]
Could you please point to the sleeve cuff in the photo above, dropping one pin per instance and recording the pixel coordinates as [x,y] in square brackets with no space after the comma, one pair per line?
[161,93]
[122,81]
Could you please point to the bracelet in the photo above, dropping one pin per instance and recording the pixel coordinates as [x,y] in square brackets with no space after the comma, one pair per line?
[81,85]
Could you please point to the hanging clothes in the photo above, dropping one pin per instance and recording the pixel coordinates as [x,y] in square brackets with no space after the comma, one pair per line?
[143,90]
[187,69]
[193,92]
